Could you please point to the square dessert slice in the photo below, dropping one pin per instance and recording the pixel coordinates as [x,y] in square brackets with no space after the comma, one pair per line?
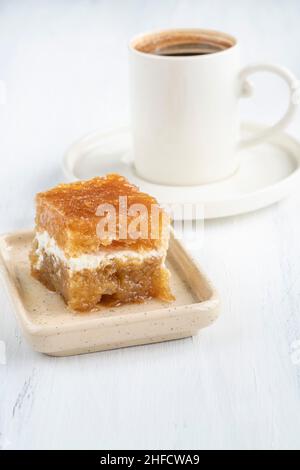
[101,240]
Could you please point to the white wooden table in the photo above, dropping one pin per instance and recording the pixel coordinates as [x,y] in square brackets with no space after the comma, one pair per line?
[237,385]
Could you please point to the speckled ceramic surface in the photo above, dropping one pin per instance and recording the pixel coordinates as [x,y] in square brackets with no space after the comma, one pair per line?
[53,329]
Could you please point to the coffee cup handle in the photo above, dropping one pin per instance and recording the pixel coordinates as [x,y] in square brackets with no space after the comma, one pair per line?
[294,99]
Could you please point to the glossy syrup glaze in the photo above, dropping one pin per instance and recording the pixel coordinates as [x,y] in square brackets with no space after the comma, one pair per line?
[69,213]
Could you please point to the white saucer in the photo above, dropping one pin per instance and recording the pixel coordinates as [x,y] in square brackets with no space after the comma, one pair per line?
[267,173]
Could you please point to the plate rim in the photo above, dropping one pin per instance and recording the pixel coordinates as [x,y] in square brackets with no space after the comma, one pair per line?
[212,209]
[210,305]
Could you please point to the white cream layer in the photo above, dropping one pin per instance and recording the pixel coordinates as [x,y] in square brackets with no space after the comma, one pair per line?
[48,245]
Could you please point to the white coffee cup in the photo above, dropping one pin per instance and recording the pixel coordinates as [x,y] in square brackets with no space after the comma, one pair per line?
[185,113]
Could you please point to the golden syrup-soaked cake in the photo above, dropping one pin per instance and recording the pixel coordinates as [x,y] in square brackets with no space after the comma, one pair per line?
[68,213]
[69,254]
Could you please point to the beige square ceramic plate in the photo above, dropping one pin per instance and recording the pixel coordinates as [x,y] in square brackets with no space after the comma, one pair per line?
[53,329]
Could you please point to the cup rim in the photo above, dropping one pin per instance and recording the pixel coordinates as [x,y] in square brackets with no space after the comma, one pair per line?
[134,39]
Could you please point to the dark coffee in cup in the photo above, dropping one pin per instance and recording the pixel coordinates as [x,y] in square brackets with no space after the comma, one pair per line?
[183,43]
